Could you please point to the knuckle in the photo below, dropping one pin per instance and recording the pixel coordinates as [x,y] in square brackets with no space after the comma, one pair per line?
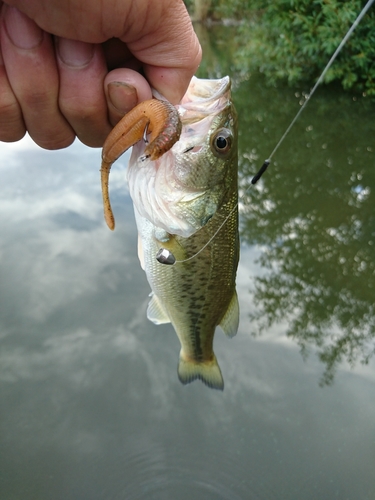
[95,141]
[14,135]
[54,140]
[90,125]
[12,127]
[77,109]
[36,100]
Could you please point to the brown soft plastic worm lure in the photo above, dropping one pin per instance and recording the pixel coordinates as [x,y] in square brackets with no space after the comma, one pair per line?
[158,118]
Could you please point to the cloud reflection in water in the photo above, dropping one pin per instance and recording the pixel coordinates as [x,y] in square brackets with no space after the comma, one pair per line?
[93,408]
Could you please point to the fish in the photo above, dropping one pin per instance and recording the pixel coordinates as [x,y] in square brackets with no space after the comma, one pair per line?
[186,204]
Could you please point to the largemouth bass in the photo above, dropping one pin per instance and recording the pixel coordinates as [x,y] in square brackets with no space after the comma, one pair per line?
[183,181]
[186,203]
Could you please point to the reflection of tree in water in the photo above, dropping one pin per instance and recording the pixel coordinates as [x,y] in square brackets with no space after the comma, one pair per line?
[314,214]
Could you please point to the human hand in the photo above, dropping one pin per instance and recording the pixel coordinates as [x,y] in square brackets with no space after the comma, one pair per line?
[54,79]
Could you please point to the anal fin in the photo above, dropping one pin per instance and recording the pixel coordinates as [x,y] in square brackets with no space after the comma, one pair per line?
[231,318]
[156,312]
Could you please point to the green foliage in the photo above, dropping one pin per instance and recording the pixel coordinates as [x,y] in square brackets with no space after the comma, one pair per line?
[237,9]
[313,217]
[294,40]
[219,9]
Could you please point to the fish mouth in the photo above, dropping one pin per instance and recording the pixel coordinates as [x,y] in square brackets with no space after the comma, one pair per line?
[205,90]
[203,98]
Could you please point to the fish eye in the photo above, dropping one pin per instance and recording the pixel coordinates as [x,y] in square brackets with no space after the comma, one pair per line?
[221,142]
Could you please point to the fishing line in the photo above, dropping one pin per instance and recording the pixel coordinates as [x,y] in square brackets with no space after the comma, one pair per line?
[320,79]
[164,256]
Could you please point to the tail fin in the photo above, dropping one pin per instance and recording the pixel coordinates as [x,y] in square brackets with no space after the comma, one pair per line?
[206,371]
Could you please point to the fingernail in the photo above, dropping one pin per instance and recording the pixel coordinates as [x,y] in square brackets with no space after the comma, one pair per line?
[123,96]
[74,53]
[22,31]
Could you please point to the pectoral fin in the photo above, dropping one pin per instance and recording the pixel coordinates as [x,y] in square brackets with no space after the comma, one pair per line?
[156,312]
[206,371]
[231,318]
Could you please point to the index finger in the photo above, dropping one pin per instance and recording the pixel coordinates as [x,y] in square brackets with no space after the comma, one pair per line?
[168,48]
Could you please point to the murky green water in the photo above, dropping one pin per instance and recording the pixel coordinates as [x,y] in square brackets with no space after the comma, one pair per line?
[91,407]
